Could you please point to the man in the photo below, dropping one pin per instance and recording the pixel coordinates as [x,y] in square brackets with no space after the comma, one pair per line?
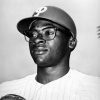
[51,34]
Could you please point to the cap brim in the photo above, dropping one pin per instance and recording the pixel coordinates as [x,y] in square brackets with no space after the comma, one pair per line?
[23,25]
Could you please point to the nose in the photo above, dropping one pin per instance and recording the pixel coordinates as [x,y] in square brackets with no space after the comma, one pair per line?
[38,40]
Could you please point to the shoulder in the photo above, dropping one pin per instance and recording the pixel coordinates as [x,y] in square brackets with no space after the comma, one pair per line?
[84,76]
[18,81]
[85,79]
[88,86]
[15,86]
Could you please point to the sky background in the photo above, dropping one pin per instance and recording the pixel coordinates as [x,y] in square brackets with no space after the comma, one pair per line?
[15,59]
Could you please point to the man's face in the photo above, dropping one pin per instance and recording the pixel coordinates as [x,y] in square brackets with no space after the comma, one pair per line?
[47,53]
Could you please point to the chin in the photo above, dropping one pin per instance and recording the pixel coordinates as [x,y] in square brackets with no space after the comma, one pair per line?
[40,61]
[44,62]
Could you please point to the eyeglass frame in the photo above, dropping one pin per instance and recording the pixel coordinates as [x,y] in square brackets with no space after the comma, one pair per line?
[55,29]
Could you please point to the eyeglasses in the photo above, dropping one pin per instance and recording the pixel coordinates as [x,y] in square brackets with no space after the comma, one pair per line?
[47,34]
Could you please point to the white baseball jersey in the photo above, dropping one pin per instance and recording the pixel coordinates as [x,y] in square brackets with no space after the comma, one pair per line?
[73,86]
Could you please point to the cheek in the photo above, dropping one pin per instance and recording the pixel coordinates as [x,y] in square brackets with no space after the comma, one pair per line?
[57,46]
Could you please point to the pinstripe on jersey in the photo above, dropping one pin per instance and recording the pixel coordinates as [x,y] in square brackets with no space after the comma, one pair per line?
[72,86]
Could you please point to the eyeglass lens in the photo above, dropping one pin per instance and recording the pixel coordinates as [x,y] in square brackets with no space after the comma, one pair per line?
[46,33]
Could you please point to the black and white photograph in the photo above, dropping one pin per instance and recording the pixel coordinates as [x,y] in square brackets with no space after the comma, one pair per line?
[49,50]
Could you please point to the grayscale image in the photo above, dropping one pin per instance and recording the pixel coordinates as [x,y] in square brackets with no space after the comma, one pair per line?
[49,50]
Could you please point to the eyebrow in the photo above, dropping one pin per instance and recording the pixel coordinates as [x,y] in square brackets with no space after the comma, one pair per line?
[48,24]
[54,25]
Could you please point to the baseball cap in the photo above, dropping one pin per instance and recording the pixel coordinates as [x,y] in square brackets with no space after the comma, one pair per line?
[50,13]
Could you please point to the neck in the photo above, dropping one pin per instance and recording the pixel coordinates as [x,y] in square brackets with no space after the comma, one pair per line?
[48,74]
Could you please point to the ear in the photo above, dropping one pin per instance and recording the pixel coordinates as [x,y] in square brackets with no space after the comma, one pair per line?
[72,43]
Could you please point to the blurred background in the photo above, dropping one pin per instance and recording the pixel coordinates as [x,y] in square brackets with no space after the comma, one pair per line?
[15,59]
